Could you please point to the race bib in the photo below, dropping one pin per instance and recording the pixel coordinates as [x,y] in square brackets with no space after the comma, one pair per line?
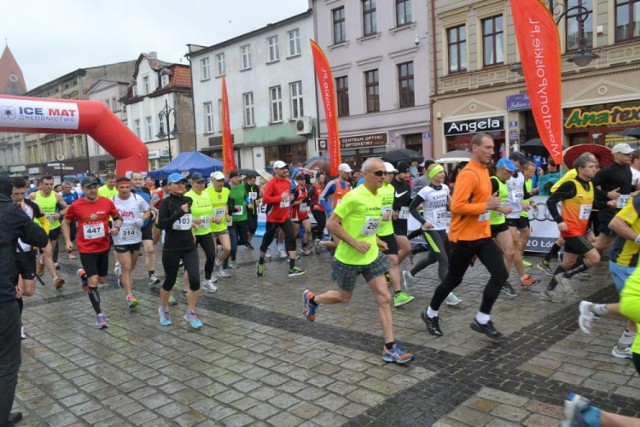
[404,212]
[205,222]
[50,218]
[285,203]
[130,233]
[93,231]
[622,201]
[183,223]
[371,225]
[304,207]
[440,215]
[219,212]
[253,195]
[517,196]
[585,212]
[239,210]
[484,216]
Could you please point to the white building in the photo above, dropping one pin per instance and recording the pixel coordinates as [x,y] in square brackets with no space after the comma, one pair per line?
[272,93]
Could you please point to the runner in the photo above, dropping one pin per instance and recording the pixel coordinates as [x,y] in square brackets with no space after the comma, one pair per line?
[470,236]
[300,211]
[175,218]
[277,196]
[92,215]
[400,216]
[355,223]
[318,211]
[219,196]
[139,189]
[134,211]
[239,228]
[523,225]
[69,195]
[252,207]
[332,195]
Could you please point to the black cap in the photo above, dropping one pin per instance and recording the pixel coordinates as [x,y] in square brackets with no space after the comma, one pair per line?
[517,156]
[89,181]
[197,177]
[402,167]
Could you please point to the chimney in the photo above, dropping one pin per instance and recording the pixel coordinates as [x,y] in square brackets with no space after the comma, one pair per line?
[153,55]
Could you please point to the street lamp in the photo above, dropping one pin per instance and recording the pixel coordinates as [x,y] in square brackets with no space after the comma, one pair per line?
[165,113]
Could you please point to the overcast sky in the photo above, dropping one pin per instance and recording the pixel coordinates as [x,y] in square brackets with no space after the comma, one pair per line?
[52,38]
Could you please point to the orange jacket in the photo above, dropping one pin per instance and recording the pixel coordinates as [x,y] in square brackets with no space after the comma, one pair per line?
[472,191]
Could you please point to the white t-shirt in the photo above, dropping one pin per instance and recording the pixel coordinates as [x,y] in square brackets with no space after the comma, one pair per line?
[435,206]
[131,211]
[635,178]
[515,195]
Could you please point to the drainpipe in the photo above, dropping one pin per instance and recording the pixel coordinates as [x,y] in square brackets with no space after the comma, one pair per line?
[434,64]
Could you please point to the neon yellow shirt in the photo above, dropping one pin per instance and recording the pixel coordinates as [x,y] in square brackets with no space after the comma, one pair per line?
[386,192]
[219,202]
[48,205]
[105,191]
[201,209]
[496,217]
[630,304]
[361,214]
[566,177]
[528,184]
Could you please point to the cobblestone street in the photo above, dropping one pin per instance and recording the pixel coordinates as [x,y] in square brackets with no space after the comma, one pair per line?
[257,361]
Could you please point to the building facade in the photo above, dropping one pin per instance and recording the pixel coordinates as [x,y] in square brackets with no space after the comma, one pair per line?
[11,144]
[379,57]
[271,91]
[155,86]
[475,86]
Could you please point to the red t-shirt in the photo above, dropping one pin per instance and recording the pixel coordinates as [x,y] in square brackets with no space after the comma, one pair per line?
[278,210]
[93,223]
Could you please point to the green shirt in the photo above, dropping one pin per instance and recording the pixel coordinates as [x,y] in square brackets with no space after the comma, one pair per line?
[219,202]
[386,192]
[630,304]
[360,215]
[49,206]
[495,217]
[201,209]
[239,195]
[104,191]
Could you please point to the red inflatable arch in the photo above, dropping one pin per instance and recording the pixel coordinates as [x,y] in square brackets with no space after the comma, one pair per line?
[43,115]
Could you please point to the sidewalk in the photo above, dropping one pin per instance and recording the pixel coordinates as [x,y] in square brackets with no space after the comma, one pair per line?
[257,361]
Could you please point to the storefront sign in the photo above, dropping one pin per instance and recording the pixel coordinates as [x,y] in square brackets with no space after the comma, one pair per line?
[34,171]
[518,102]
[614,116]
[472,126]
[154,154]
[17,169]
[361,141]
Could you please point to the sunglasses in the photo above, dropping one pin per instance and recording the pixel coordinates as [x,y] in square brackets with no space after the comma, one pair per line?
[378,173]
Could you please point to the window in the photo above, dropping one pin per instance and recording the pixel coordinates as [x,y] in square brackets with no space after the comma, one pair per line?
[339,26]
[247,100]
[107,102]
[457,48]
[627,19]
[245,53]
[492,42]
[208,117]
[577,32]
[146,84]
[405,85]
[274,50]
[275,96]
[373,91]
[295,89]
[205,69]
[342,95]
[136,128]
[294,42]
[369,20]
[134,91]
[147,121]
[164,80]
[220,64]
[115,104]
[403,12]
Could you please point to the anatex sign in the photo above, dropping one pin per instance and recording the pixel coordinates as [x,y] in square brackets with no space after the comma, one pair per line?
[462,127]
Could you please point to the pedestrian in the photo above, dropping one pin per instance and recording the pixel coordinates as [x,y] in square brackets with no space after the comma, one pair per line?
[14,225]
[355,222]
[92,214]
[470,236]
[176,219]
[69,195]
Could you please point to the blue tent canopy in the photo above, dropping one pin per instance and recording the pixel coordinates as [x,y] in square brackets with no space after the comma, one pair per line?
[191,161]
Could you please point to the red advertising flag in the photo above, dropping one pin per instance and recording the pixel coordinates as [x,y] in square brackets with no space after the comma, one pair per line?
[228,159]
[539,47]
[328,97]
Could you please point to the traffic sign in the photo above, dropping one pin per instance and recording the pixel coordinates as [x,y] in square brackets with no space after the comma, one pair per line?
[60,157]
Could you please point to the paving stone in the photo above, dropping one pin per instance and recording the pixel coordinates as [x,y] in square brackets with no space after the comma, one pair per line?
[172,410]
[285,420]
[59,419]
[262,411]
[156,401]
[284,401]
[96,416]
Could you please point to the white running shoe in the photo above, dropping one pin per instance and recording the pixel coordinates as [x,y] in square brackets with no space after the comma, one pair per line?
[587,317]
[22,335]
[621,353]
[153,280]
[224,273]
[208,286]
[452,299]
[282,253]
[407,279]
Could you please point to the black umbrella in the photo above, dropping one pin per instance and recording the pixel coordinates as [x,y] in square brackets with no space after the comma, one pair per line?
[246,172]
[534,142]
[402,155]
[634,132]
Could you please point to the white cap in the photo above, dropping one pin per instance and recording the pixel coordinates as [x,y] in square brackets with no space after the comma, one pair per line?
[217,175]
[344,168]
[622,148]
[388,167]
[279,164]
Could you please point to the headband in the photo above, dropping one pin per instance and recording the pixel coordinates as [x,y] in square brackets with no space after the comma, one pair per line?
[436,170]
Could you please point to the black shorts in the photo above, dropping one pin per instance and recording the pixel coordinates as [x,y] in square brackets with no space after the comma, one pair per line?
[520,222]
[498,228]
[604,218]
[26,264]
[147,231]
[400,227]
[578,245]
[95,264]
[392,244]
[54,234]
[132,247]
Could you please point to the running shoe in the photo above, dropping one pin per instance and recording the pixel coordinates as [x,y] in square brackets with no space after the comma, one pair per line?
[452,299]
[101,321]
[306,250]
[433,324]
[564,282]
[318,246]
[223,273]
[296,271]
[486,329]
[587,316]
[58,282]
[165,316]
[153,280]
[234,265]
[40,269]
[528,281]
[401,298]
[576,409]
[267,254]
[249,246]
[526,263]
[192,317]
[84,280]
[71,255]
[208,286]
[508,289]
[260,270]
[132,301]
[172,300]
[282,253]
[407,279]
[395,355]
[621,353]
[22,335]
[117,269]
[544,266]
[309,308]
[553,296]
[56,265]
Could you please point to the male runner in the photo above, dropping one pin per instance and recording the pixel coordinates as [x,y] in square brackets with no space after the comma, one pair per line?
[140,190]
[332,195]
[219,195]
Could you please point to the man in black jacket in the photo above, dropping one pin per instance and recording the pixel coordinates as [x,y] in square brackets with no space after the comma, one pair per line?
[14,225]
